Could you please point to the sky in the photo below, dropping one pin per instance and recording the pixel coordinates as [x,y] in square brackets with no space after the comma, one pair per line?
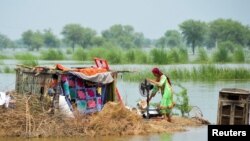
[150,17]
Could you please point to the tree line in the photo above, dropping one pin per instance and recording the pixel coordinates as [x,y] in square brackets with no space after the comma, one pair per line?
[191,33]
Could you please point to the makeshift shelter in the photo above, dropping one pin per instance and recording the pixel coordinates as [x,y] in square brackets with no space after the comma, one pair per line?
[89,87]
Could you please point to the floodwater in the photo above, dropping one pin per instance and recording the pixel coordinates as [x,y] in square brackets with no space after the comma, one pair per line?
[201,94]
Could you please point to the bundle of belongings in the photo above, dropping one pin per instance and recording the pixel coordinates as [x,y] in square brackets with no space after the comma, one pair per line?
[7,100]
[152,112]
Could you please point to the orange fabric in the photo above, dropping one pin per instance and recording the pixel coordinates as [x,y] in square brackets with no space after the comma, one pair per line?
[91,71]
[86,71]
[61,67]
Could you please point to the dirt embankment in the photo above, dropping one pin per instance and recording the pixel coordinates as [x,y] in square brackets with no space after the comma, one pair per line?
[29,119]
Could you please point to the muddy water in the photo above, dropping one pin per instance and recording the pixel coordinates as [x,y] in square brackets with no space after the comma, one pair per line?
[203,95]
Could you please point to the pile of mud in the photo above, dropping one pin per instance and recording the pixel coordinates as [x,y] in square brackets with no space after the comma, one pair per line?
[28,119]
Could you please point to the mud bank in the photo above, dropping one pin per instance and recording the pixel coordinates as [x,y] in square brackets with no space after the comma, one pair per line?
[29,119]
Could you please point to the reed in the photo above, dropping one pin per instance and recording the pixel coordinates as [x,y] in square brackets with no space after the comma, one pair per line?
[202,73]
[80,54]
[25,56]
[238,55]
[31,63]
[202,56]
[159,56]
[52,54]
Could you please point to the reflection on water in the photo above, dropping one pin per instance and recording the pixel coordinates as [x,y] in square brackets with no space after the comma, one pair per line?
[203,95]
[7,81]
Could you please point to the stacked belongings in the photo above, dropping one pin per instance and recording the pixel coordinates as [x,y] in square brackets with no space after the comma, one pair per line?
[87,88]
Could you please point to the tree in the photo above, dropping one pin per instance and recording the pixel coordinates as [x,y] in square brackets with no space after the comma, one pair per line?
[5,42]
[50,40]
[248,36]
[88,35]
[227,30]
[37,40]
[161,42]
[34,40]
[97,41]
[173,38]
[26,37]
[193,32]
[123,36]
[73,34]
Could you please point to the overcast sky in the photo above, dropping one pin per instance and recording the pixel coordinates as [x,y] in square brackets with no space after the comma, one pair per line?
[151,17]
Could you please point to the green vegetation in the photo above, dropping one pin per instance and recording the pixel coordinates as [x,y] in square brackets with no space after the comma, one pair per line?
[52,54]
[30,63]
[238,55]
[228,40]
[26,59]
[229,52]
[79,54]
[7,69]
[202,56]
[3,57]
[25,56]
[193,32]
[182,101]
[202,73]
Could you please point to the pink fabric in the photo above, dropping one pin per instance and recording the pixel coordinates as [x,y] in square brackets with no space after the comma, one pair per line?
[91,104]
[99,100]
[71,83]
[81,94]
[64,77]
[90,93]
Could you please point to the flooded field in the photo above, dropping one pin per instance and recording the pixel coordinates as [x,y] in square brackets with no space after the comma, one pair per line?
[203,95]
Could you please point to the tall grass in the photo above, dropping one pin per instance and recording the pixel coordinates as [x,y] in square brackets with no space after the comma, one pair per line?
[177,55]
[136,56]
[114,55]
[183,55]
[172,56]
[52,54]
[202,73]
[202,56]
[80,54]
[130,56]
[27,59]
[159,56]
[31,63]
[25,56]
[221,55]
[99,52]
[238,55]
[142,57]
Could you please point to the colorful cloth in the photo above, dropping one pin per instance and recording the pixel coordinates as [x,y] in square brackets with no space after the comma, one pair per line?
[166,91]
